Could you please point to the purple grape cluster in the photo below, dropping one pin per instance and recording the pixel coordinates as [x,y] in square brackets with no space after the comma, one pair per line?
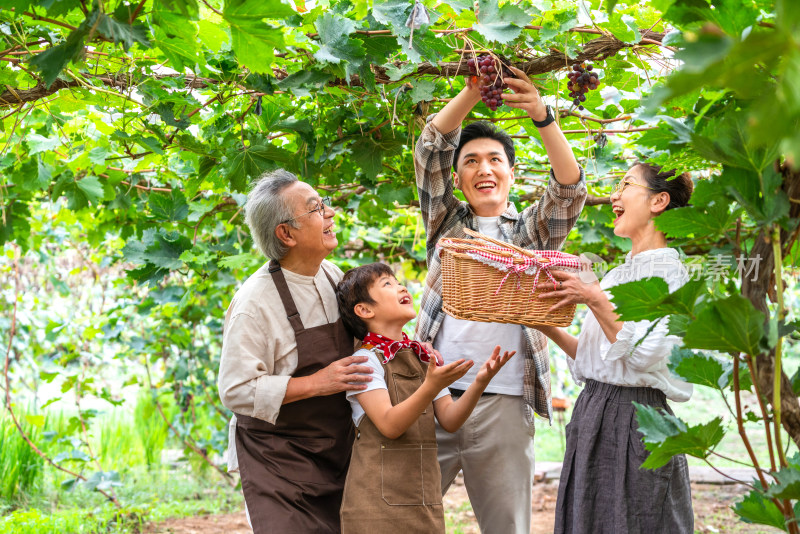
[581,81]
[491,82]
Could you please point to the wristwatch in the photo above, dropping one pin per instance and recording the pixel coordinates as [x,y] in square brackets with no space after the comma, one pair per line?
[547,120]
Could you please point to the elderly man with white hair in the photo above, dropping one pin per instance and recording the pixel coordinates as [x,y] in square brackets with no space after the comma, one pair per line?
[286,363]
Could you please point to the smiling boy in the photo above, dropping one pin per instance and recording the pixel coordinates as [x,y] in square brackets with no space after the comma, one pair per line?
[393,484]
[495,447]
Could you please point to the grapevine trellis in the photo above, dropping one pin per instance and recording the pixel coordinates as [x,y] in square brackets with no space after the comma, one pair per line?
[140,125]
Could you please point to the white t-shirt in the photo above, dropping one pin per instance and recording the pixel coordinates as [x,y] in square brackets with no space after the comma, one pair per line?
[475,340]
[639,356]
[378,382]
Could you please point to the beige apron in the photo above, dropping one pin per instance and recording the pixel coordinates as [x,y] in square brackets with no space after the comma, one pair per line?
[394,485]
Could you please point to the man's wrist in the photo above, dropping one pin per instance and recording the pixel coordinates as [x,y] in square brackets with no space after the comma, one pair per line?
[546,120]
[539,114]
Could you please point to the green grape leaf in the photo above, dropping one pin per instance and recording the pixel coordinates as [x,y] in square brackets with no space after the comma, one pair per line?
[762,197]
[665,436]
[333,32]
[38,143]
[121,32]
[756,508]
[53,60]
[500,24]
[172,207]
[187,8]
[390,193]
[787,485]
[423,90]
[727,325]
[710,221]
[698,367]
[254,41]
[253,161]
[301,83]
[624,28]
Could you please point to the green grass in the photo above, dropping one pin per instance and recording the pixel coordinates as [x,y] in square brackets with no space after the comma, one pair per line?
[454,520]
[21,467]
[130,442]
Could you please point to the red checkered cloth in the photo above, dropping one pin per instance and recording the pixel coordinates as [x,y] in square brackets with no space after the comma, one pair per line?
[390,347]
[542,261]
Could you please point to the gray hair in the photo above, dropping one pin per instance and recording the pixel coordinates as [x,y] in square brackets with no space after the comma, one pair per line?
[266,208]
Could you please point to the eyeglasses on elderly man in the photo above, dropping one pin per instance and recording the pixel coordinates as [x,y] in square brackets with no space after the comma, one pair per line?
[322,203]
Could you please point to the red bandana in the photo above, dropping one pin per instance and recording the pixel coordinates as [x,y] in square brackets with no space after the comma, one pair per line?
[390,346]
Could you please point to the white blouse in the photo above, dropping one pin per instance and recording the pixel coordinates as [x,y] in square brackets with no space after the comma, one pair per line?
[624,363]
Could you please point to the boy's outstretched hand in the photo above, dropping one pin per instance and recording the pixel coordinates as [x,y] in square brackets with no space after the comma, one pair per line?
[492,366]
[439,377]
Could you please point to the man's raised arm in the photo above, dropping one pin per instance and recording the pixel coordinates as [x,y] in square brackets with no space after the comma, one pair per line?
[526,97]
[454,113]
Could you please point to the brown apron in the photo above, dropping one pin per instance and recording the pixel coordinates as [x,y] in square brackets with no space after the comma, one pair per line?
[394,485]
[293,472]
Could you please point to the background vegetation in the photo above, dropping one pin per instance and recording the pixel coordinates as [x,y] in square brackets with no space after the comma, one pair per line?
[130,132]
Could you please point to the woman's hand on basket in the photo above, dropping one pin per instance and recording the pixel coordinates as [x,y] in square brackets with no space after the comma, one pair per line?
[492,366]
[572,289]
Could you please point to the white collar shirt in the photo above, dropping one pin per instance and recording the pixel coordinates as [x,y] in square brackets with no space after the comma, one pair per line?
[640,355]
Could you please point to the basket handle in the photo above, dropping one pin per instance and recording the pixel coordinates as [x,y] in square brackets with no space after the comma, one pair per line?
[528,253]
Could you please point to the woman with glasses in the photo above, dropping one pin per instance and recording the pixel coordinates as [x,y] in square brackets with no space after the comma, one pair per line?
[602,488]
[285,365]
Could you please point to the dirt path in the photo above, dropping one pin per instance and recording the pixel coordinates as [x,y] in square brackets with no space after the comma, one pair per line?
[711,508]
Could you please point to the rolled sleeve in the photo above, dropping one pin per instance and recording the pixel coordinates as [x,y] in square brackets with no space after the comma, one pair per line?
[433,162]
[642,348]
[548,222]
[269,394]
[432,139]
[247,383]
[568,192]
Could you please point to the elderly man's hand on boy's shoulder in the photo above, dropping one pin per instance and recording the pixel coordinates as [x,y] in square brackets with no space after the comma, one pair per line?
[342,375]
[493,365]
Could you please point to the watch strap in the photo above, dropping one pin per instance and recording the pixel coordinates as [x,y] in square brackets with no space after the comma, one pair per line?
[547,120]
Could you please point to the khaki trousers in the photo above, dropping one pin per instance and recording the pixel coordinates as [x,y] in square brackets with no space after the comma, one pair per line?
[494,448]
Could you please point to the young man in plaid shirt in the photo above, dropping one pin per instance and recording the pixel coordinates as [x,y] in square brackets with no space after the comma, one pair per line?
[494,447]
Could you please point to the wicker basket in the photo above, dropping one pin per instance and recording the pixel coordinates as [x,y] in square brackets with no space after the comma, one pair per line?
[470,287]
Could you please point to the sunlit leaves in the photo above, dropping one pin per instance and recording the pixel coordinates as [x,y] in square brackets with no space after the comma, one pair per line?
[337,47]
[254,40]
[701,368]
[158,252]
[51,62]
[708,222]
[649,299]
[172,207]
[176,36]
[727,325]
[500,23]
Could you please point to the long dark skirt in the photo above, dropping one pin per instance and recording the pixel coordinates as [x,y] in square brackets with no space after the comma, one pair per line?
[602,487]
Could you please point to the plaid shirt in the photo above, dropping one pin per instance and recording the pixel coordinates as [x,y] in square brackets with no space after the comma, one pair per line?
[544,225]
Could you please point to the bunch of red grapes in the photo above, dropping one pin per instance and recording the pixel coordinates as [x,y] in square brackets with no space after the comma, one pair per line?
[581,81]
[491,82]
